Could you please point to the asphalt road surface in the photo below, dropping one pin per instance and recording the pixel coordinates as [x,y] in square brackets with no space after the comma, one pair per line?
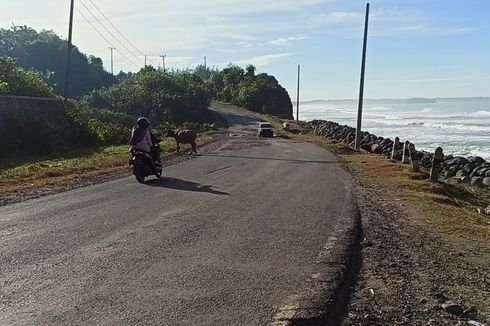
[223,239]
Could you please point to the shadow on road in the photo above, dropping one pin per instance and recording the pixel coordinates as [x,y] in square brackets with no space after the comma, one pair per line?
[271,159]
[173,183]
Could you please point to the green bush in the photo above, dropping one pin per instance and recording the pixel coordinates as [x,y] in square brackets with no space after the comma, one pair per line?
[99,127]
[29,136]
[15,80]
[174,97]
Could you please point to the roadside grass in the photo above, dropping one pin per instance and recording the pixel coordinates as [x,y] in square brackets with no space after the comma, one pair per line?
[450,212]
[450,207]
[77,161]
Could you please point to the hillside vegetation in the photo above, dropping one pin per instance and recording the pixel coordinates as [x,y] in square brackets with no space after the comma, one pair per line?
[103,108]
[45,52]
[260,93]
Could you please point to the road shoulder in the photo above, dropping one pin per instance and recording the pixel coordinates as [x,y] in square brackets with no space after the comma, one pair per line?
[418,268]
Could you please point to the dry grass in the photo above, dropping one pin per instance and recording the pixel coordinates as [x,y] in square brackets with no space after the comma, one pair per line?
[450,210]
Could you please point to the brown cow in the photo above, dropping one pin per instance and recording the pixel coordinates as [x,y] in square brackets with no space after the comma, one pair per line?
[184,136]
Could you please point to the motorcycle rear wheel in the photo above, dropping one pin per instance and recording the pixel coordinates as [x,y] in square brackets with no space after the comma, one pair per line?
[139,173]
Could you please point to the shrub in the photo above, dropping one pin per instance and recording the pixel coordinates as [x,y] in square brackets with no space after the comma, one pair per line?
[99,127]
[15,80]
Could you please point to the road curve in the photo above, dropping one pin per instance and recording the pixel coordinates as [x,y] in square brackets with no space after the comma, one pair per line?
[223,239]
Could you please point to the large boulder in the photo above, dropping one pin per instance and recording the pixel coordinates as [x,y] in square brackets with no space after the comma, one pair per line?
[476,160]
[458,160]
[462,173]
[375,148]
[487,210]
[452,171]
[468,167]
[481,171]
[486,181]
[453,308]
[476,181]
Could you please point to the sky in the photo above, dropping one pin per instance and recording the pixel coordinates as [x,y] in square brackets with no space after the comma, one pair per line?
[416,48]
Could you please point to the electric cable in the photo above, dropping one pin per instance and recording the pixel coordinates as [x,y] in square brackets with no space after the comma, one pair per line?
[117,30]
[101,35]
[107,30]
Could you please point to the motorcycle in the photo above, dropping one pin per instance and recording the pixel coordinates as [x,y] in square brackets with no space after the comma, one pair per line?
[143,166]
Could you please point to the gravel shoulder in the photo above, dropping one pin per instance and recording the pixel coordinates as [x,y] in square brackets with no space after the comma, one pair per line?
[418,267]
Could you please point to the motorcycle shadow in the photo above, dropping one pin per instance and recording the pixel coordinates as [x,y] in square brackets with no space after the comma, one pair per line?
[179,184]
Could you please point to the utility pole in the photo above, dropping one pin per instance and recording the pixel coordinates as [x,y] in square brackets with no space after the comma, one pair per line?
[163,61]
[297,97]
[204,62]
[112,60]
[145,60]
[361,86]
[66,90]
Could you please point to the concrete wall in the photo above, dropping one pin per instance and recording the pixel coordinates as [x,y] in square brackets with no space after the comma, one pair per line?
[33,125]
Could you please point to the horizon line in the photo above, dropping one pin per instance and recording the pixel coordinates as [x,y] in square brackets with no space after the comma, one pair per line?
[397,99]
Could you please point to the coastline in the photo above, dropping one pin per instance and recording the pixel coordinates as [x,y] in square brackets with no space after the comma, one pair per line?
[461,126]
[473,170]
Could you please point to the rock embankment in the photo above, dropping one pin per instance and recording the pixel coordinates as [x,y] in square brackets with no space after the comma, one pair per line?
[472,170]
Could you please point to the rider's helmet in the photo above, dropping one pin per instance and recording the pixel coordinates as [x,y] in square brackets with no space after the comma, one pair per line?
[143,122]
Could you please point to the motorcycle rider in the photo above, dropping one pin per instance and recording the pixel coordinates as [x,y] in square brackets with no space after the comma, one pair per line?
[143,139]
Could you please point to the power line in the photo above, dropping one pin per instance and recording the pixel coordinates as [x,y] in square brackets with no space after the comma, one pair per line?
[101,35]
[108,31]
[117,30]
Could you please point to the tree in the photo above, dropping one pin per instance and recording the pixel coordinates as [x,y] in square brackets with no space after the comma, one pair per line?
[172,97]
[15,80]
[203,72]
[250,70]
[46,52]
[260,93]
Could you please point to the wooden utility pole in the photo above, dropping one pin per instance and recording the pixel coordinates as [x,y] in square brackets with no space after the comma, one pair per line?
[112,60]
[297,97]
[145,60]
[361,86]
[205,62]
[66,90]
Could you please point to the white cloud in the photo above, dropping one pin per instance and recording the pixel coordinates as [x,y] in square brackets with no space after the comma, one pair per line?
[227,50]
[346,18]
[211,7]
[264,60]
[338,18]
[287,40]
[385,22]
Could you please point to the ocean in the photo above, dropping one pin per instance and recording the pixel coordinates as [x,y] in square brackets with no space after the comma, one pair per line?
[461,126]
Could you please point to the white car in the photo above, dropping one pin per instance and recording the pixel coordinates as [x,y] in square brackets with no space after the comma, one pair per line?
[265,130]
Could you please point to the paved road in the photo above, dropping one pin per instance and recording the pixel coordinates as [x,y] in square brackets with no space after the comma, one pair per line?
[224,239]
